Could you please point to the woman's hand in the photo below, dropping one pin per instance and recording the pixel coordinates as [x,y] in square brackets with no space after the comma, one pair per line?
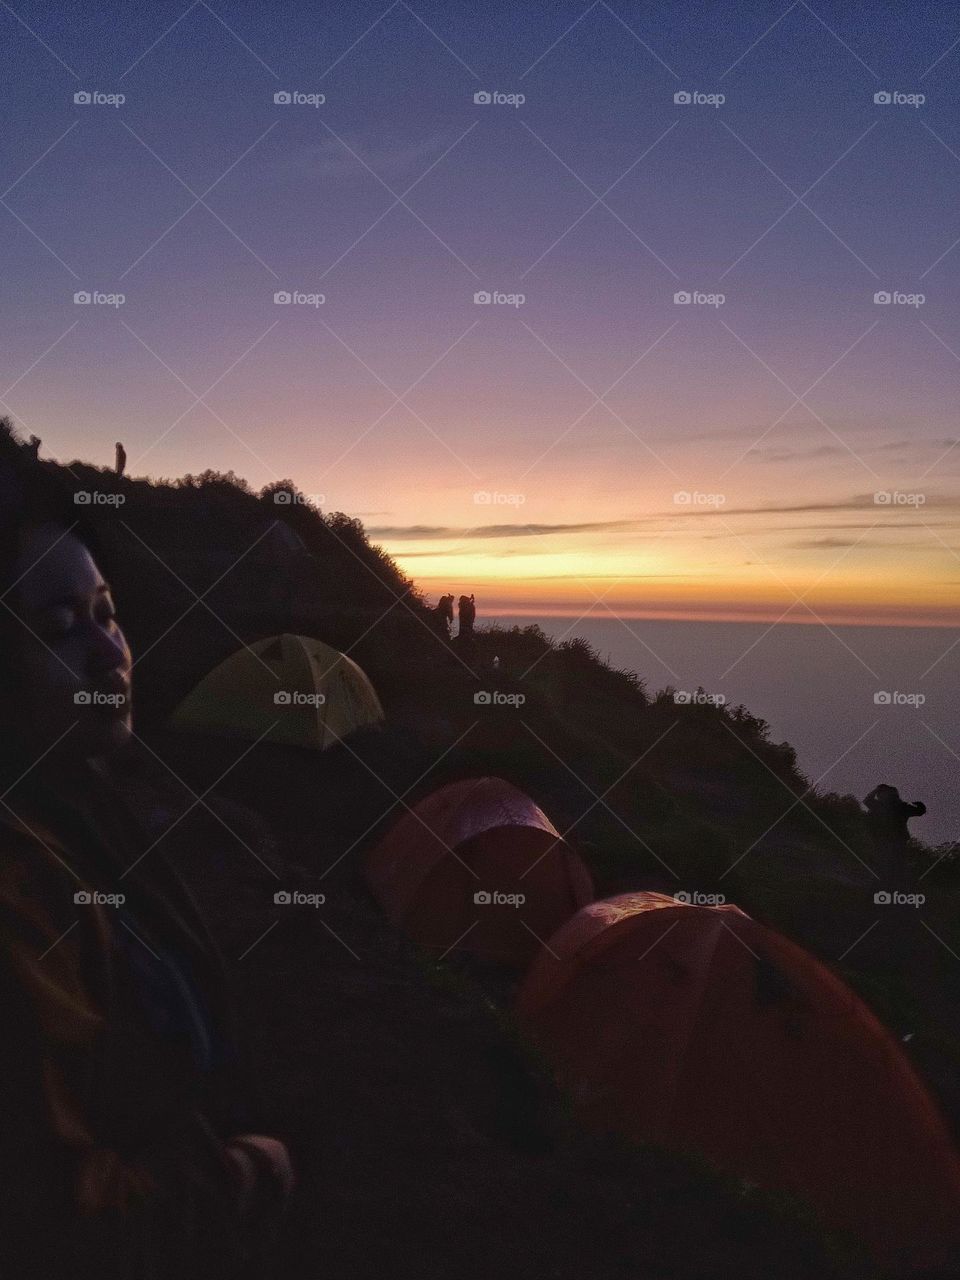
[255,1155]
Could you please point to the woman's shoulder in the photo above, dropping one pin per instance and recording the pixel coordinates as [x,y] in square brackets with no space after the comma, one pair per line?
[54,935]
[29,847]
[38,884]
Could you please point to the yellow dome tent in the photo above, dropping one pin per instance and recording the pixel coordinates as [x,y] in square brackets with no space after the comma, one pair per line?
[287,689]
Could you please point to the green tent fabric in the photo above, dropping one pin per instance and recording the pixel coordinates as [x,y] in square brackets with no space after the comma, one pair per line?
[286,689]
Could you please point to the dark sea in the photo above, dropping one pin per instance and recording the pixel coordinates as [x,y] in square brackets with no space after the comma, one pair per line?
[860,705]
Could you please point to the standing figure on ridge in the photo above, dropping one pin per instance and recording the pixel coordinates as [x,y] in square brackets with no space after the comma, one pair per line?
[121,459]
[887,814]
[467,611]
[887,817]
[442,617]
[905,939]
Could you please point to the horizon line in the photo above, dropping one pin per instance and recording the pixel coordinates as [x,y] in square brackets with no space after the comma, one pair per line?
[664,615]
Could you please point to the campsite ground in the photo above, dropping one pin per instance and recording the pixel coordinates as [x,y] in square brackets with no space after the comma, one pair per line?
[431,1141]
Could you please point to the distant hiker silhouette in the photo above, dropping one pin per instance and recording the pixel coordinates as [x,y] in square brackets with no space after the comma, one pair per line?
[33,448]
[887,815]
[442,616]
[121,459]
[467,611]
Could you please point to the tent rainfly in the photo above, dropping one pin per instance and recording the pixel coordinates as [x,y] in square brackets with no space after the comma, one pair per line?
[287,689]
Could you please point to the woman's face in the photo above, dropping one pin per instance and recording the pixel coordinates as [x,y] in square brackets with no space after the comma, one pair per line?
[74,686]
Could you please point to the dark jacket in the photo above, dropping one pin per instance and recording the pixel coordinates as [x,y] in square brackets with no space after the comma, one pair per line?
[117,1048]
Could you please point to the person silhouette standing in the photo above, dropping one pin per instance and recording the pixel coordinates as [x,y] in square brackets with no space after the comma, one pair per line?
[33,448]
[442,615]
[467,613]
[907,942]
[887,816]
[121,459]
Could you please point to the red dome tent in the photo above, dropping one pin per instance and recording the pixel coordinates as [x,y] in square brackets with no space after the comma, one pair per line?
[478,837]
[697,1029]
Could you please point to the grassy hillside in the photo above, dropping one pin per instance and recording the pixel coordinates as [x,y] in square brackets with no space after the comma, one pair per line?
[425,1113]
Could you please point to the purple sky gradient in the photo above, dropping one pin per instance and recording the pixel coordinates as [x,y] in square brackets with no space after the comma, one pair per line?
[596,401]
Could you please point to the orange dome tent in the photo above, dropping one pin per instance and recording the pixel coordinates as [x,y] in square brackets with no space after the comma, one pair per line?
[477,866]
[697,1029]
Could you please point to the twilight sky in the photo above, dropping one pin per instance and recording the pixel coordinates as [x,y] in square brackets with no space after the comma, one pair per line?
[597,446]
